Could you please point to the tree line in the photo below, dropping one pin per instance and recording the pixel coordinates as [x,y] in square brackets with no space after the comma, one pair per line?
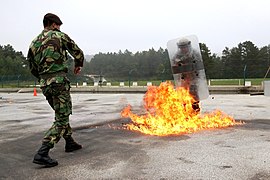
[153,64]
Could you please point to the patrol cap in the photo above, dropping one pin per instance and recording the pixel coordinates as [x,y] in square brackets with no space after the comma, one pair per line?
[52,17]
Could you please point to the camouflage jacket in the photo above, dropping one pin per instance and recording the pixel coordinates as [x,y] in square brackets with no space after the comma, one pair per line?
[47,56]
[181,58]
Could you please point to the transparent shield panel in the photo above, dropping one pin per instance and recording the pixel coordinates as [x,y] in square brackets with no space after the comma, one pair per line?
[187,65]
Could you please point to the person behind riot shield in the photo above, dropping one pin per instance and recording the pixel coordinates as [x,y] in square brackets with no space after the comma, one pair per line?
[185,63]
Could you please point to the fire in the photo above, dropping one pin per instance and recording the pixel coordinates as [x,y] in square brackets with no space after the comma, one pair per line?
[169,112]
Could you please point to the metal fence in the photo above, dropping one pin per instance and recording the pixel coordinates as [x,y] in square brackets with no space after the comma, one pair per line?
[16,81]
[12,81]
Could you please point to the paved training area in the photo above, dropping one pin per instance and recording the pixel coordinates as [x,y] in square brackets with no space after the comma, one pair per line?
[110,152]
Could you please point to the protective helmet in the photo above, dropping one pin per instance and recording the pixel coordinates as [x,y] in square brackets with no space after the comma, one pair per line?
[183,42]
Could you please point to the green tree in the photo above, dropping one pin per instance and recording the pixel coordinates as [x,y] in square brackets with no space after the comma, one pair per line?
[12,63]
[246,56]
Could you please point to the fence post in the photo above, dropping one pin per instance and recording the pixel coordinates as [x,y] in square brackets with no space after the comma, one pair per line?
[2,82]
[18,80]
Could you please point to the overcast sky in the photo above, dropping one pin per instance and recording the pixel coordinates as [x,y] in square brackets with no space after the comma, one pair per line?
[137,25]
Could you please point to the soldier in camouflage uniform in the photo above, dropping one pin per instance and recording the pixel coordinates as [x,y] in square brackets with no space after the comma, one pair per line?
[185,59]
[47,58]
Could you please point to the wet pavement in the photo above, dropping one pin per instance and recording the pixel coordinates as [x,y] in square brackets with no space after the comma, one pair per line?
[111,152]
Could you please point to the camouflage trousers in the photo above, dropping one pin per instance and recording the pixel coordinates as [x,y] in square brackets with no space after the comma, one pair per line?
[58,96]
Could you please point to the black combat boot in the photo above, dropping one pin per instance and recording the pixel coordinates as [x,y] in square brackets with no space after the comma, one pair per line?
[42,157]
[196,106]
[71,145]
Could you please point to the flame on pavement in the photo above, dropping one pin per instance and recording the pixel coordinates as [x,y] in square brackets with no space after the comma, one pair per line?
[168,111]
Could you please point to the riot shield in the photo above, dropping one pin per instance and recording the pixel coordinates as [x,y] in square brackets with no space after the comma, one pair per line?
[187,66]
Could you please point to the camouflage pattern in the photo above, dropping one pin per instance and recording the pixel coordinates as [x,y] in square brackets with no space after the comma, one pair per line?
[47,58]
[48,54]
[58,96]
[188,64]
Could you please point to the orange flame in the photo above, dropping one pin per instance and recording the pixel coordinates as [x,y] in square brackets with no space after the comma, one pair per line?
[169,112]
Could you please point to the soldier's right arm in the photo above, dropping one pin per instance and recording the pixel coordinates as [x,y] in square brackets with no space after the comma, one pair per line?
[32,64]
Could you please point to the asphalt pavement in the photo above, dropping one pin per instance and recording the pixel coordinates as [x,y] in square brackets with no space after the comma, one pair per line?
[112,152]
